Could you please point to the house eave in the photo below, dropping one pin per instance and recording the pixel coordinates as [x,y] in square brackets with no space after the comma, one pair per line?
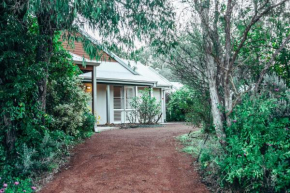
[125,82]
[164,86]
[91,63]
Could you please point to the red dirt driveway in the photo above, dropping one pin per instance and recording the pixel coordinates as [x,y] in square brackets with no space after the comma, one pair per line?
[144,160]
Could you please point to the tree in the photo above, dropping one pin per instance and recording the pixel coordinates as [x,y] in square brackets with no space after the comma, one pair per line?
[120,19]
[218,50]
[28,29]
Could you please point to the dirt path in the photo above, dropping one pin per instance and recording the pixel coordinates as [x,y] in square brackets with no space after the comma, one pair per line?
[144,160]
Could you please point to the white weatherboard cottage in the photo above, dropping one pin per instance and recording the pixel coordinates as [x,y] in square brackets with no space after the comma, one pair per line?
[116,81]
[117,84]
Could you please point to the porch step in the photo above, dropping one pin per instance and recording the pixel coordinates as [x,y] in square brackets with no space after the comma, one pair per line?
[100,129]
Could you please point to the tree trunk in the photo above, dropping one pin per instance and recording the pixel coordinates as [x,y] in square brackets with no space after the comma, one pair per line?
[44,51]
[214,97]
[228,101]
[228,64]
[10,135]
[211,71]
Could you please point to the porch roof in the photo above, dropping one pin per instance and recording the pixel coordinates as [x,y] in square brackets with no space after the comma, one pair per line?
[110,72]
[120,70]
[149,73]
[79,60]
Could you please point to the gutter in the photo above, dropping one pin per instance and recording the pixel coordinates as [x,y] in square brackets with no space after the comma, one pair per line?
[128,82]
[88,63]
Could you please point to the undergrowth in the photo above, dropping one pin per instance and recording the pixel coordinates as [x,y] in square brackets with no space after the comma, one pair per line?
[256,154]
[205,150]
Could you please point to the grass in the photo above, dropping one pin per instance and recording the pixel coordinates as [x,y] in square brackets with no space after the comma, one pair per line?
[195,145]
[192,142]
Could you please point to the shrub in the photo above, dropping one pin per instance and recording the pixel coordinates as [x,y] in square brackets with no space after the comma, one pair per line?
[258,150]
[179,104]
[35,160]
[146,109]
[66,100]
[33,141]
[16,186]
[256,157]
[190,105]
[258,147]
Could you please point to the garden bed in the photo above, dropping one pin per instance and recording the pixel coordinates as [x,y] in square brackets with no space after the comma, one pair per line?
[202,148]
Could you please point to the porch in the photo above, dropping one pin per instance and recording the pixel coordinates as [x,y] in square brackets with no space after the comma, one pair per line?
[113,101]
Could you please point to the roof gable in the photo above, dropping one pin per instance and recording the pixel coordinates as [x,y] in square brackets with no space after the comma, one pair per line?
[105,55]
[149,73]
[78,49]
[113,67]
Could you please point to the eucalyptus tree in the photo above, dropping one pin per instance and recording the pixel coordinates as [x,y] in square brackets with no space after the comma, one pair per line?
[228,47]
[123,20]
[28,30]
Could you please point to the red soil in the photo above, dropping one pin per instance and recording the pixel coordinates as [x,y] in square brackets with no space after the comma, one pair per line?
[146,160]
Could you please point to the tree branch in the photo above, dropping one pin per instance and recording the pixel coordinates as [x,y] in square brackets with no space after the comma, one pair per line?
[271,62]
[263,72]
[254,20]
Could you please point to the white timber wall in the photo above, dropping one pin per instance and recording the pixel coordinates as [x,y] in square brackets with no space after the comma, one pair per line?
[157,94]
[101,104]
[112,104]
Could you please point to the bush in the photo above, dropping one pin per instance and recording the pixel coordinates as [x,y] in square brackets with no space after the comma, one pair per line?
[191,106]
[146,109]
[179,103]
[66,100]
[256,157]
[33,161]
[33,141]
[17,186]
[258,150]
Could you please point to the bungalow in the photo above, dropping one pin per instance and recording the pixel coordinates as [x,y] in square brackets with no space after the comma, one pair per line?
[113,82]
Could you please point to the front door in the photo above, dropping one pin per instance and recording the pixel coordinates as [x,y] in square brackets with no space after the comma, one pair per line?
[123,96]
[118,103]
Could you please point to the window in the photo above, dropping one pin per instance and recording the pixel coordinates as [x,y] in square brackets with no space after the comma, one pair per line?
[123,96]
[117,116]
[129,95]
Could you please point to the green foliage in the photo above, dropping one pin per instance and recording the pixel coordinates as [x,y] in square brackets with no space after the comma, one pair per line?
[33,161]
[147,109]
[208,149]
[66,100]
[17,186]
[190,105]
[33,141]
[179,104]
[256,155]
[20,116]
[138,17]
[258,144]
[67,104]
